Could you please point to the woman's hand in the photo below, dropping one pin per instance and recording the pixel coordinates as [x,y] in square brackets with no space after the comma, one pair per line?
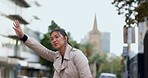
[18,29]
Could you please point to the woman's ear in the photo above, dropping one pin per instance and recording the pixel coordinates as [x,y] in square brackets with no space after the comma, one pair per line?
[66,38]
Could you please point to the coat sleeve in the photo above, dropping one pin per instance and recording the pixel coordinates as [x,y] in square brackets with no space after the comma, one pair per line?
[40,49]
[82,65]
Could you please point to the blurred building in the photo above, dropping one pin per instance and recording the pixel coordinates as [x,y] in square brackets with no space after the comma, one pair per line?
[95,36]
[106,42]
[15,58]
[100,42]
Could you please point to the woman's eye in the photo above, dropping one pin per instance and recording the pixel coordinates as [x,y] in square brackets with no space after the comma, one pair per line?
[56,36]
[51,39]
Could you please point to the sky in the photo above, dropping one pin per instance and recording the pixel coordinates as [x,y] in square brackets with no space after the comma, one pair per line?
[77,17]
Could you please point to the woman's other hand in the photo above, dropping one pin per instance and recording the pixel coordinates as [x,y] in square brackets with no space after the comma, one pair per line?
[18,29]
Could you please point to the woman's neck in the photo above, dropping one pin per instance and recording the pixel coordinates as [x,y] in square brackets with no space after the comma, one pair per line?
[62,50]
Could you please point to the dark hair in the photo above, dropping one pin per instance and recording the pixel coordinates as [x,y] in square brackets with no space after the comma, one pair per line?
[62,32]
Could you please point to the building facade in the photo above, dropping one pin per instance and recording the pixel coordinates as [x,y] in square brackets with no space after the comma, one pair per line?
[100,40]
[95,37]
[15,58]
[106,42]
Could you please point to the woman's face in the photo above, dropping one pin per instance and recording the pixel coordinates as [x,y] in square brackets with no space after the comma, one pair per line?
[57,40]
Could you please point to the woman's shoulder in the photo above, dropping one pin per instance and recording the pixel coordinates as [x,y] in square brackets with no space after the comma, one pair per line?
[78,56]
[77,52]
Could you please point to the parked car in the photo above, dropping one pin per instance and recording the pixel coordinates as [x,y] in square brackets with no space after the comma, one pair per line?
[22,77]
[107,75]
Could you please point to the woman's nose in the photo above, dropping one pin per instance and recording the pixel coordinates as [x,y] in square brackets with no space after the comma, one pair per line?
[54,40]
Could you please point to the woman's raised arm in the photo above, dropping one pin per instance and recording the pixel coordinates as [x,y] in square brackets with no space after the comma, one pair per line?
[32,44]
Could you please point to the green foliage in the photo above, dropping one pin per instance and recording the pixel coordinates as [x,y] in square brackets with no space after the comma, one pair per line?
[133,10]
[142,10]
[52,26]
[87,49]
[126,8]
[117,66]
[113,66]
[97,58]
[73,42]
[100,59]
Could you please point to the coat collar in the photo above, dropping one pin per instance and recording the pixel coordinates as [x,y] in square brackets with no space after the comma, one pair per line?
[67,53]
[57,64]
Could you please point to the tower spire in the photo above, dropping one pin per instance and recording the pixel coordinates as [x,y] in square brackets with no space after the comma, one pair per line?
[95,24]
[95,28]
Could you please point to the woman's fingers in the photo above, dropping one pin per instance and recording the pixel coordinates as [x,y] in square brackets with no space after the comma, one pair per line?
[16,24]
[17,28]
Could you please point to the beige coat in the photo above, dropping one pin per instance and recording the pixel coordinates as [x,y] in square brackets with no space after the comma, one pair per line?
[75,64]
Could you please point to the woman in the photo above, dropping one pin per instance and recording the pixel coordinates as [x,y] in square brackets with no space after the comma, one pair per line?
[68,62]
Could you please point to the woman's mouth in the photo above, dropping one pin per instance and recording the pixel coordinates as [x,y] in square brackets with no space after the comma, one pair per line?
[55,44]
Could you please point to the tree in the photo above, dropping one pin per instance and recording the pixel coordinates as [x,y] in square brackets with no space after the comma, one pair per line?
[87,49]
[132,12]
[52,26]
[98,59]
[117,66]
[73,43]
[142,10]
[112,66]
